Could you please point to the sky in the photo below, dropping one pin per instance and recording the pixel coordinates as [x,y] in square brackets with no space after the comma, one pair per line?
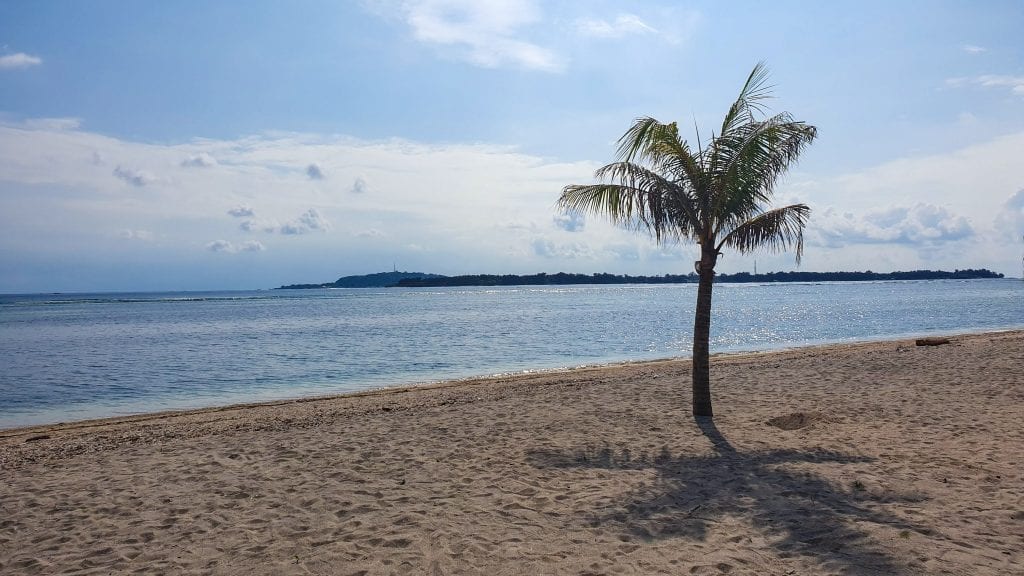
[209,145]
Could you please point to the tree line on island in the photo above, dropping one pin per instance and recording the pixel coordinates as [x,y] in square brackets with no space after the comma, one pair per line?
[424,280]
[563,278]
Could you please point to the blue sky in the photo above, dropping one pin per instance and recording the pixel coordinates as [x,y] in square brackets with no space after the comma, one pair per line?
[222,145]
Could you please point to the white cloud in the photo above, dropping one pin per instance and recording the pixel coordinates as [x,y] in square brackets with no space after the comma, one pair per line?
[1009,222]
[228,247]
[563,251]
[933,210]
[922,225]
[570,222]
[19,60]
[486,34]
[256,226]
[967,119]
[359,186]
[593,251]
[137,178]
[292,229]
[306,222]
[201,160]
[972,181]
[53,123]
[623,25]
[369,233]
[314,172]
[220,246]
[312,220]
[973,49]
[468,208]
[143,235]
[1014,83]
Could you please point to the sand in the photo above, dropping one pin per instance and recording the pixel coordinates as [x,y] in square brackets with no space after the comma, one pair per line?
[876,458]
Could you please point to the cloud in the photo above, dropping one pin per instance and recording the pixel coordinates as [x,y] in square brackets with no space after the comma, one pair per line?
[253,226]
[623,25]
[485,34]
[431,195]
[314,172]
[312,220]
[568,251]
[137,178]
[1009,222]
[570,222]
[220,246]
[924,225]
[675,25]
[972,49]
[610,253]
[201,160]
[359,186]
[229,248]
[143,235]
[306,222]
[54,124]
[291,229]
[1014,83]
[966,119]
[241,212]
[369,233]
[19,60]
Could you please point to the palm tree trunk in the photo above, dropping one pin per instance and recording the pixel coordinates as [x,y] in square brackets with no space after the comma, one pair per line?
[701,339]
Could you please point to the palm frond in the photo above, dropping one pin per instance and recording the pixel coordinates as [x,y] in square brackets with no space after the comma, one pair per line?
[662,185]
[637,198]
[660,147]
[642,138]
[750,100]
[752,160]
[775,230]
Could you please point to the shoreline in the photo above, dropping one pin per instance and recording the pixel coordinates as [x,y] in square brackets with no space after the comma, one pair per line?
[872,458]
[474,380]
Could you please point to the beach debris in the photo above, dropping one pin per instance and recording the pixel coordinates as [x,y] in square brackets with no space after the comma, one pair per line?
[931,341]
[37,438]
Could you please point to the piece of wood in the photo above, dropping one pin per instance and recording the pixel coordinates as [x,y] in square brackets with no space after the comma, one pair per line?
[931,341]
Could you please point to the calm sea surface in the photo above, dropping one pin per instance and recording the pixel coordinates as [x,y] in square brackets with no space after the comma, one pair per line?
[70,357]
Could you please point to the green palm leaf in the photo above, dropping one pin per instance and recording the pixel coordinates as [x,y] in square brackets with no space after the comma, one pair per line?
[775,230]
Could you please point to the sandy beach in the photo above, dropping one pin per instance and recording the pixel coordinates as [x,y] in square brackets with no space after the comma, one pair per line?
[875,458]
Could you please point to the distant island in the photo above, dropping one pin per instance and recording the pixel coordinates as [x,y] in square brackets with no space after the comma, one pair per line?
[378,280]
[423,280]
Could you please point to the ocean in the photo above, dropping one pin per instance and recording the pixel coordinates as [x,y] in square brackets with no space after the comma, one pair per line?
[66,357]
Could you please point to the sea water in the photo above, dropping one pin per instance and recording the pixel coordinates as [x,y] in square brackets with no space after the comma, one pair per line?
[67,357]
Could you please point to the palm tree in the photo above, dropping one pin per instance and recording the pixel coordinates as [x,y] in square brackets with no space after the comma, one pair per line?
[717,196]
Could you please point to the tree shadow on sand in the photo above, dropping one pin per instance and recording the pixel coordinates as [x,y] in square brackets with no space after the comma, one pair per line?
[798,512]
